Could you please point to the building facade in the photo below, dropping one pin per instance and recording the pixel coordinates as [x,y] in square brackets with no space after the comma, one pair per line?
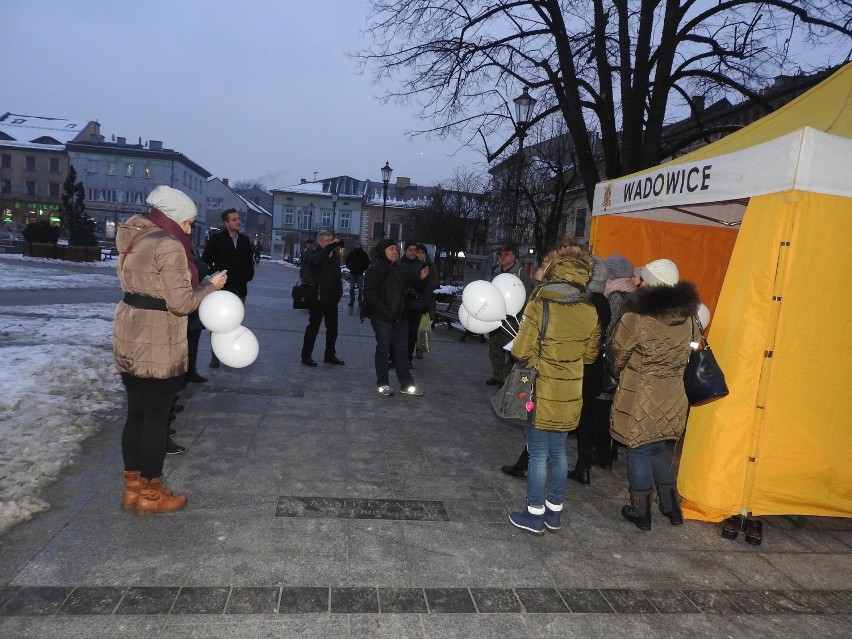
[34,164]
[256,220]
[300,211]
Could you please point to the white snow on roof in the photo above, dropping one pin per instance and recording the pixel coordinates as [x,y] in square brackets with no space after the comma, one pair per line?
[23,129]
[251,205]
[307,187]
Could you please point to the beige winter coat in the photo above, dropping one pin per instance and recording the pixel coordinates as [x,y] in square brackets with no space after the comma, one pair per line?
[149,343]
[648,353]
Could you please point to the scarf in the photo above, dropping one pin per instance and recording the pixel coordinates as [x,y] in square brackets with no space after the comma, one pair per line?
[623,284]
[172,228]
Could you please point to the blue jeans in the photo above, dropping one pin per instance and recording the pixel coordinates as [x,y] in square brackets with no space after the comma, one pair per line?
[391,335]
[546,446]
[356,280]
[648,464]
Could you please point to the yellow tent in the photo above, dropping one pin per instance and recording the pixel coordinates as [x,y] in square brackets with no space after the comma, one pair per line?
[761,221]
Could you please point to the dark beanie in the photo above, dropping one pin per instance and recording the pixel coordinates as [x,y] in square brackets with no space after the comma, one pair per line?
[380,249]
[410,243]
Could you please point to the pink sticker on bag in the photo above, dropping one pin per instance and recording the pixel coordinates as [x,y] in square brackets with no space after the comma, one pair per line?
[529,406]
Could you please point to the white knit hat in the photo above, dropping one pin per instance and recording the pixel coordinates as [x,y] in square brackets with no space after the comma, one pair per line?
[660,273]
[172,203]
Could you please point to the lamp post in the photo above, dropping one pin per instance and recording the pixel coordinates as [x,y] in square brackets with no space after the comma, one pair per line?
[386,176]
[334,197]
[524,104]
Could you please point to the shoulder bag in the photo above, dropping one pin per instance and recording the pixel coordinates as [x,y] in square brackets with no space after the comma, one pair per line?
[703,379]
[516,398]
[304,294]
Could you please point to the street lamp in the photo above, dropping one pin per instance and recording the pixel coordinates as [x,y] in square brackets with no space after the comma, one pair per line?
[524,104]
[334,197]
[386,176]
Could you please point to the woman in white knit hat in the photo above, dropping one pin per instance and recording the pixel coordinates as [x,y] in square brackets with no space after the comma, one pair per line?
[161,287]
[648,353]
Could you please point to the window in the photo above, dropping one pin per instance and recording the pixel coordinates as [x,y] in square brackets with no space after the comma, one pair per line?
[377,230]
[288,217]
[148,172]
[5,186]
[91,166]
[395,231]
[90,195]
[53,165]
[129,169]
[53,189]
[112,168]
[326,219]
[31,188]
[344,219]
[6,161]
[30,163]
[580,223]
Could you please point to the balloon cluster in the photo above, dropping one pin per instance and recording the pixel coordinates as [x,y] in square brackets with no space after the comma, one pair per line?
[222,313]
[486,305]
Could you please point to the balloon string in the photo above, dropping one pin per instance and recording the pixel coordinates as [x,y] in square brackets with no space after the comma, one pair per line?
[507,326]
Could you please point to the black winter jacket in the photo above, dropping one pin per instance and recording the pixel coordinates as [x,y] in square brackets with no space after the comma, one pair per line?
[220,255]
[357,261]
[384,289]
[323,269]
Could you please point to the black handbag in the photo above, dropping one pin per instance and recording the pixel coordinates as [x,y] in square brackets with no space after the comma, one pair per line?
[304,295]
[516,397]
[609,384]
[703,378]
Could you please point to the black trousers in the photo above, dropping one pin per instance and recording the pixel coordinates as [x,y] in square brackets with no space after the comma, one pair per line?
[317,314]
[593,439]
[143,442]
[192,339]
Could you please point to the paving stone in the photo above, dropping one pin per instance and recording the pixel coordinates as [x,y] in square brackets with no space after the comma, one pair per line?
[200,600]
[303,600]
[251,600]
[628,601]
[147,601]
[751,602]
[711,601]
[495,600]
[6,592]
[673,601]
[354,600]
[785,603]
[585,600]
[92,600]
[827,602]
[338,508]
[393,600]
[541,600]
[449,600]
[36,600]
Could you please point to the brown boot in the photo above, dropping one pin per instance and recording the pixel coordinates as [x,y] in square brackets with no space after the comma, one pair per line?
[153,498]
[132,483]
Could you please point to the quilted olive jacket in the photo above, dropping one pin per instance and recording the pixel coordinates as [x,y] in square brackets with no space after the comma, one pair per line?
[151,343]
[572,339]
[648,353]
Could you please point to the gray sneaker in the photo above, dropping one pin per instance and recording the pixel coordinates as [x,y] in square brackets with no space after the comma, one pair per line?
[411,390]
[386,390]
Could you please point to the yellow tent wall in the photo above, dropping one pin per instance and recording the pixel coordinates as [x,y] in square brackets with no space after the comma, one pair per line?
[701,252]
[780,443]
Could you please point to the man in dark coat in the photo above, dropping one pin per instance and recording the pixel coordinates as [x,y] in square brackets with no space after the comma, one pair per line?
[357,262]
[322,268]
[229,250]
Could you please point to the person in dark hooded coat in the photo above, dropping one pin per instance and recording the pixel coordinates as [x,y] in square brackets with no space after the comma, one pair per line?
[385,286]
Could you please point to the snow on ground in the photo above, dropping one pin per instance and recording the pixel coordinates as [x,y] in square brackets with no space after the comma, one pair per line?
[59,382]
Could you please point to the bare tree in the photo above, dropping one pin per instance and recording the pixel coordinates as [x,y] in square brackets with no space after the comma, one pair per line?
[617,67]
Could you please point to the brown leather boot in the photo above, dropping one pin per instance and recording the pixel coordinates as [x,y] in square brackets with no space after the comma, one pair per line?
[153,498]
[132,484]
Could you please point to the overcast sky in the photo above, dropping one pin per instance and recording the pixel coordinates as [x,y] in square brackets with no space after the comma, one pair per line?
[248,89]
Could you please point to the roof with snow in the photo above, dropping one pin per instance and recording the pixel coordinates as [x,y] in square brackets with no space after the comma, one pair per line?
[30,131]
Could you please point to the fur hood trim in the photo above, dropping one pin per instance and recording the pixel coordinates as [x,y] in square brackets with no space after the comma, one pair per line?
[569,263]
[673,303]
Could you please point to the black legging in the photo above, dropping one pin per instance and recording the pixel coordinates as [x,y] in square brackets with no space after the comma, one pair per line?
[143,442]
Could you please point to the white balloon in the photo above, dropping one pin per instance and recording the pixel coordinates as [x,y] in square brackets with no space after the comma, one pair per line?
[476,325]
[703,315]
[221,312]
[484,301]
[513,290]
[236,349]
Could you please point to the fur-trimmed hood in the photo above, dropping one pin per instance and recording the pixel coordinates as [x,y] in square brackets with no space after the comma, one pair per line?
[569,263]
[669,304]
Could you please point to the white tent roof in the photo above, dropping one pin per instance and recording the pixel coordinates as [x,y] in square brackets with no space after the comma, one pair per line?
[715,190]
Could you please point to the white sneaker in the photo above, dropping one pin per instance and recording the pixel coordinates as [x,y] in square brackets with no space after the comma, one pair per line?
[411,390]
[386,390]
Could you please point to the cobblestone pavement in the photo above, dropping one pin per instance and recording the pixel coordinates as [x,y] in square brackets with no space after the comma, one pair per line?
[318,508]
